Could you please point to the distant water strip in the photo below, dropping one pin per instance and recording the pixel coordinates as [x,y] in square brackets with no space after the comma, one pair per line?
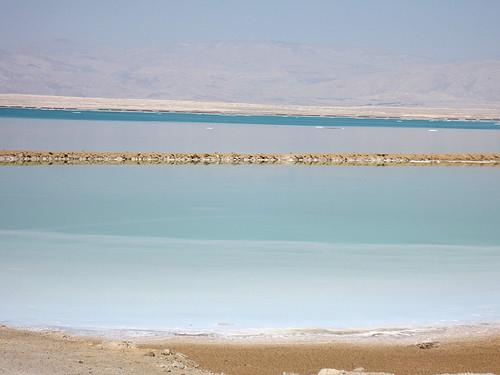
[270,120]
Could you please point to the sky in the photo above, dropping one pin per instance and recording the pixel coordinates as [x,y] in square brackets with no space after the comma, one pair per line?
[438,29]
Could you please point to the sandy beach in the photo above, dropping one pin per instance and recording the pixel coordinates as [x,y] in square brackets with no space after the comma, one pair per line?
[54,353]
[480,356]
[45,352]
[79,103]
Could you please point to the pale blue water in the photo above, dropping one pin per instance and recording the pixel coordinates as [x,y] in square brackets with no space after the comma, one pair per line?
[225,248]
[70,132]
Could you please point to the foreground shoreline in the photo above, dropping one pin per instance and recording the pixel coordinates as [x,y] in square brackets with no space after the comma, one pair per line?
[186,106]
[24,157]
[58,352]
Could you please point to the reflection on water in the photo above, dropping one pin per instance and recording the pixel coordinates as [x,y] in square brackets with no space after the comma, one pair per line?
[93,135]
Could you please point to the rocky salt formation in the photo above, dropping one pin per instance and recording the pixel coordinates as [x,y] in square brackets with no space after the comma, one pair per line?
[361,371]
[13,157]
[357,371]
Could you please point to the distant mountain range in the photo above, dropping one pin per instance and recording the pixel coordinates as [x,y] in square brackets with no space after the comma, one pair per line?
[254,72]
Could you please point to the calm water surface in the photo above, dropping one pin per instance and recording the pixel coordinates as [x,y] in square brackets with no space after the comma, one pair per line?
[120,131]
[223,248]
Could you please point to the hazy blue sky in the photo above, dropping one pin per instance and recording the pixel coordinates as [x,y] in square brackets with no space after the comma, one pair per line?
[434,28]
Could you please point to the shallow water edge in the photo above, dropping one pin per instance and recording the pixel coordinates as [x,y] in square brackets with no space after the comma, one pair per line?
[382,335]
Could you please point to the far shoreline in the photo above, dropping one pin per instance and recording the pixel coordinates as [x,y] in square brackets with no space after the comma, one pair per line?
[68,103]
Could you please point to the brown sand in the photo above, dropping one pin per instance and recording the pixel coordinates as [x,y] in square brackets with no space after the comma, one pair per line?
[56,353]
[482,355]
[49,353]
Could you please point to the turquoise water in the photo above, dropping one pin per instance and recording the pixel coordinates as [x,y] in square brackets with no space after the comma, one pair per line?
[226,248]
[243,119]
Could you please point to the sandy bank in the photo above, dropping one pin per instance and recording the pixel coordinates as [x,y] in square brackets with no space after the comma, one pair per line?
[25,352]
[78,103]
[53,353]
[453,357]
[13,157]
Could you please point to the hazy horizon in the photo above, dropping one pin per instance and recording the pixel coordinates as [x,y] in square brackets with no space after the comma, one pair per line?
[447,29]
[283,52]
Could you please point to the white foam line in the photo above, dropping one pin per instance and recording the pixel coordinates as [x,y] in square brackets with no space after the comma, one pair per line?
[456,329]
